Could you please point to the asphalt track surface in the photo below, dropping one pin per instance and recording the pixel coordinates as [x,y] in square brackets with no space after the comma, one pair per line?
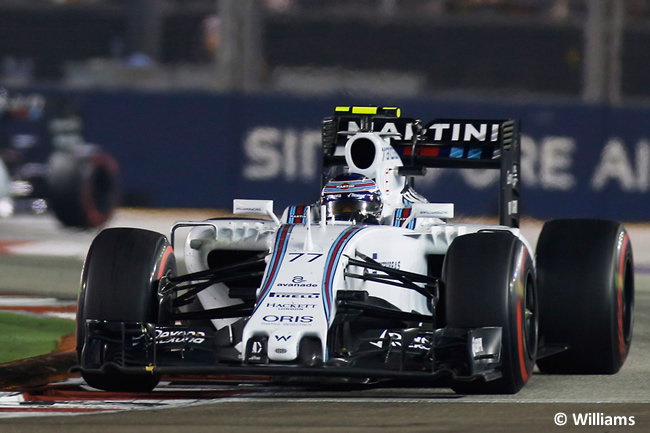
[38,257]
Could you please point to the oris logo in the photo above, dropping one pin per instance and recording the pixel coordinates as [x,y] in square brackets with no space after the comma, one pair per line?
[271,318]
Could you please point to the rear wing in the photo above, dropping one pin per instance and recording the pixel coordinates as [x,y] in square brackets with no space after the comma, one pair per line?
[440,143]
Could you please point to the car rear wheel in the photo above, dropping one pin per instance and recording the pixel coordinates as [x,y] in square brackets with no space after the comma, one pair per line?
[119,283]
[83,186]
[586,295]
[489,281]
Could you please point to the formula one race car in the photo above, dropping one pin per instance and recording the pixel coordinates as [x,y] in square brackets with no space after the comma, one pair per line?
[45,163]
[371,283]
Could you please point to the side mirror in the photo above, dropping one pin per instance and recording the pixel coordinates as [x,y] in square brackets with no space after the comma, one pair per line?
[254,207]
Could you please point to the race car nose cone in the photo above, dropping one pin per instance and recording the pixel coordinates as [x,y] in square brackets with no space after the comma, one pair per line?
[282,346]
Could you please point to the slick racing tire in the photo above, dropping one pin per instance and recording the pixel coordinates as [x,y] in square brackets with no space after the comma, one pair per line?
[585,275]
[489,281]
[83,186]
[119,283]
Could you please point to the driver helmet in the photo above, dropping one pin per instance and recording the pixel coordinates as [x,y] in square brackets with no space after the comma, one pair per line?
[352,197]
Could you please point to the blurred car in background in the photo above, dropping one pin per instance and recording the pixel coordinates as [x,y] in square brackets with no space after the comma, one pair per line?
[45,163]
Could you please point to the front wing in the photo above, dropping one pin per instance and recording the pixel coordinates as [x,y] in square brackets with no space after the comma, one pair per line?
[432,356]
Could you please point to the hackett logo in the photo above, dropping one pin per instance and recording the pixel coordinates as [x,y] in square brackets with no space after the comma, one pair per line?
[290,306]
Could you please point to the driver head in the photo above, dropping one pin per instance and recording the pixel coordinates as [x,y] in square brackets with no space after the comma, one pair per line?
[352,197]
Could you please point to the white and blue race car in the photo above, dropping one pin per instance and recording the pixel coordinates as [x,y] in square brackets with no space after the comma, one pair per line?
[370,283]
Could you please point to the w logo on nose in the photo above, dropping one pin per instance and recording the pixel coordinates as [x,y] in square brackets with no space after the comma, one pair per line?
[282,337]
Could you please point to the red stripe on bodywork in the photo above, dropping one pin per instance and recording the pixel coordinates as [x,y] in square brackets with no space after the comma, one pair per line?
[429,151]
[333,259]
[276,259]
[300,214]
[329,269]
[423,151]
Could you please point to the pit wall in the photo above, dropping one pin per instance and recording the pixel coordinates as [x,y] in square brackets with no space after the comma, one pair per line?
[203,150]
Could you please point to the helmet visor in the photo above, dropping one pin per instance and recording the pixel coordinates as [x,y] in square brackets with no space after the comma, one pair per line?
[345,209]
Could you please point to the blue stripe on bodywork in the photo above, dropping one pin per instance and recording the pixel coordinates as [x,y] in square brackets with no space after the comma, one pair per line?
[401,215]
[298,214]
[411,224]
[474,153]
[279,250]
[397,222]
[456,152]
[331,264]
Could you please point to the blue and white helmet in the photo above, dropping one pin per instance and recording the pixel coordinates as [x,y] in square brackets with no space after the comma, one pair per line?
[350,197]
